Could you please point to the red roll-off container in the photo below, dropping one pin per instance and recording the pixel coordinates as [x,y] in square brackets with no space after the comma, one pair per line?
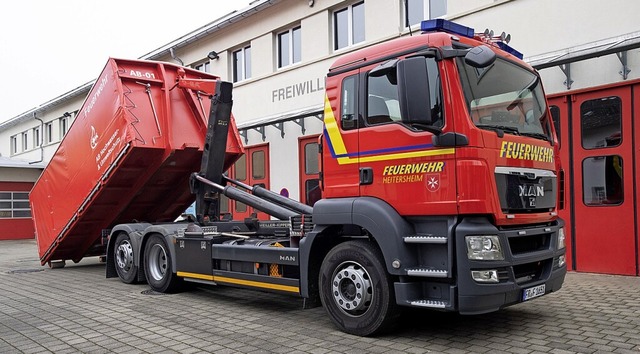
[127,156]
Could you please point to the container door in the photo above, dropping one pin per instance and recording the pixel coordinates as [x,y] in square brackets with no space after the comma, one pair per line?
[603,182]
[559,107]
[252,169]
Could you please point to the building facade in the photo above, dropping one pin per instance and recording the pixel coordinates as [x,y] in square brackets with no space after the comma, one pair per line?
[277,53]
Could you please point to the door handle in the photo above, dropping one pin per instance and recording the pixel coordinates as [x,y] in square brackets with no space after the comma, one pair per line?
[366,175]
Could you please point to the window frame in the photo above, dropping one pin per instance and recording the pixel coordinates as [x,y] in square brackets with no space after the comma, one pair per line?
[63,126]
[350,26]
[206,65]
[241,72]
[25,140]
[426,11]
[48,133]
[37,142]
[12,200]
[291,47]
[13,141]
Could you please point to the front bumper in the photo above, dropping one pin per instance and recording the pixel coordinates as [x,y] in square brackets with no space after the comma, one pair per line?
[531,259]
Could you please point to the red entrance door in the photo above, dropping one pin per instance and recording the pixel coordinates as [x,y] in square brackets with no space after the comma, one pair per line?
[309,169]
[252,169]
[602,136]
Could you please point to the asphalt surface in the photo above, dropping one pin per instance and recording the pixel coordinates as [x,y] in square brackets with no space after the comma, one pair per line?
[76,309]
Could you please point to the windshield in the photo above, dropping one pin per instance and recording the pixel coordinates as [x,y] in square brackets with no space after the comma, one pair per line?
[505,97]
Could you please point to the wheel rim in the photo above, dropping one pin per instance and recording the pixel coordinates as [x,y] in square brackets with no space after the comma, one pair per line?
[351,288]
[124,256]
[157,262]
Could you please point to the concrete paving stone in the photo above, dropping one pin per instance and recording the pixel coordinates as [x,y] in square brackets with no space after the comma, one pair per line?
[55,307]
[626,351]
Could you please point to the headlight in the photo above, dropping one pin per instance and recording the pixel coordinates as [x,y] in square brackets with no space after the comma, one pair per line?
[561,243]
[485,247]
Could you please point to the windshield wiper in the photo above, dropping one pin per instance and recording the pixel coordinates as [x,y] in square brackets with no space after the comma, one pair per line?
[499,129]
[536,135]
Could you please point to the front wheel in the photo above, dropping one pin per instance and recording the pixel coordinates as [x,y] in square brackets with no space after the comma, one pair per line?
[356,290]
[158,266]
[123,259]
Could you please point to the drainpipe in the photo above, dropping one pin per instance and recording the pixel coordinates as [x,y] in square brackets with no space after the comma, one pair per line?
[41,139]
[175,57]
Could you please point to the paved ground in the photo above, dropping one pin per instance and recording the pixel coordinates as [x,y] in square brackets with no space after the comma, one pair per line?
[76,309]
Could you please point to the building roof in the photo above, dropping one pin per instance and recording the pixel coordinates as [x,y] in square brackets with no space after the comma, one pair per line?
[18,163]
[181,42]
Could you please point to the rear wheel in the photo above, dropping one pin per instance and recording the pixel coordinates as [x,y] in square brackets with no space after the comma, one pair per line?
[356,290]
[158,266]
[124,259]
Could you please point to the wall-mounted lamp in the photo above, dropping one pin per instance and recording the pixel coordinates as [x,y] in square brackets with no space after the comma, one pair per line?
[311,2]
[212,55]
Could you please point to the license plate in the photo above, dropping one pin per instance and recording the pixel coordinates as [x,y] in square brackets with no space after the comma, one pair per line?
[535,291]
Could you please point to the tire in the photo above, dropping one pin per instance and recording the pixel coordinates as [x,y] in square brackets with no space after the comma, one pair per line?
[124,260]
[356,290]
[158,266]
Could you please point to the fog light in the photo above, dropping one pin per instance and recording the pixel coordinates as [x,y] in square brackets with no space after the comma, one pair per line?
[485,276]
[561,261]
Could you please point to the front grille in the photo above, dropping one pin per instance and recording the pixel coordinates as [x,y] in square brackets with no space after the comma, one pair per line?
[530,243]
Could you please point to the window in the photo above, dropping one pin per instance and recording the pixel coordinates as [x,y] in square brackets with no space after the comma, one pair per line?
[257,165]
[14,144]
[242,64]
[348,26]
[418,10]
[206,67]
[64,125]
[14,205]
[25,141]
[289,47]
[48,132]
[349,115]
[383,103]
[505,96]
[36,137]
[602,180]
[601,122]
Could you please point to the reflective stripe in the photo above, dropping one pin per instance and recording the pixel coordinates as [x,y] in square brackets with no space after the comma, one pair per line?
[251,283]
[339,150]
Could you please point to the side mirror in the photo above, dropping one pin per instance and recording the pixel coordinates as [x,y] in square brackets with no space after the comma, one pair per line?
[480,57]
[413,91]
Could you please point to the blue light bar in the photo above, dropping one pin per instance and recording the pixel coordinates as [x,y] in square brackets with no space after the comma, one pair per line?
[440,24]
[504,46]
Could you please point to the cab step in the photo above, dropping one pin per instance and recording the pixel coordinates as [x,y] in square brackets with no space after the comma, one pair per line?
[431,273]
[425,238]
[432,304]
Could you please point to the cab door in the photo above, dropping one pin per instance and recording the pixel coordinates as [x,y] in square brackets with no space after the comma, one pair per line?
[399,163]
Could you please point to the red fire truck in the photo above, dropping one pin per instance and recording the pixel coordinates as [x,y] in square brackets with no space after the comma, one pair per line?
[439,177]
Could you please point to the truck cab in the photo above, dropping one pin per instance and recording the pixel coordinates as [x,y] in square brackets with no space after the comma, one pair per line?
[440,147]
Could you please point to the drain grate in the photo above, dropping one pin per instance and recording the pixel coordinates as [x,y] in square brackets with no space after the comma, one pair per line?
[22,271]
[151,292]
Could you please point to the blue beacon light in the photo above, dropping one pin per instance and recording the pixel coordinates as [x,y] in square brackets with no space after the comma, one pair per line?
[440,24]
